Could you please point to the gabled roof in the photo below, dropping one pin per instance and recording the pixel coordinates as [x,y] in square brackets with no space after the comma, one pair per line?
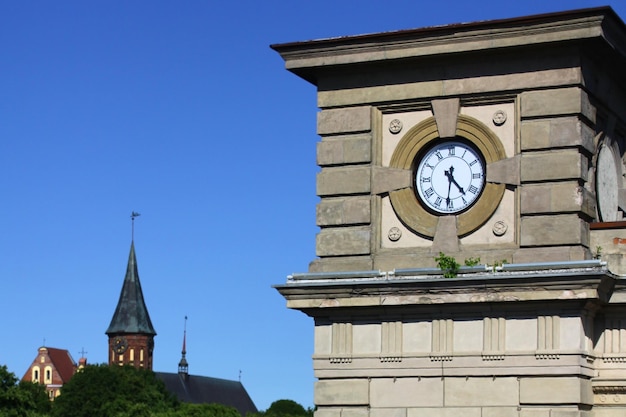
[60,359]
[63,362]
[206,390]
[131,314]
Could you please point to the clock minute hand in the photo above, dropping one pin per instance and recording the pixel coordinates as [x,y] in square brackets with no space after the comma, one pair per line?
[458,186]
[451,180]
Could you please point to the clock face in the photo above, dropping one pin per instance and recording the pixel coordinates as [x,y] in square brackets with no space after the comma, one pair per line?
[120,344]
[450,177]
[607,184]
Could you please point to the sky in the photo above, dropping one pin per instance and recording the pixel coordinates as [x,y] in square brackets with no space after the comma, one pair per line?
[180,111]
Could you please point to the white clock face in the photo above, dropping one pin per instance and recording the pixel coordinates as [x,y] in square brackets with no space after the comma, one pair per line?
[607,185]
[450,177]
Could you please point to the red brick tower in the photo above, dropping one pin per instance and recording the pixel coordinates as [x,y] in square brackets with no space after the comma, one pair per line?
[131,334]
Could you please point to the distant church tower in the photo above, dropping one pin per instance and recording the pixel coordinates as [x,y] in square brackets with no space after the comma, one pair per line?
[131,334]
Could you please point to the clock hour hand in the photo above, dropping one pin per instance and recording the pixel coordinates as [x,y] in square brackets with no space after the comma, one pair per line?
[449,176]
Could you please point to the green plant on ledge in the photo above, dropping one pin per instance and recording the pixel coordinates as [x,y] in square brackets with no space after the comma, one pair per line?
[472,261]
[448,265]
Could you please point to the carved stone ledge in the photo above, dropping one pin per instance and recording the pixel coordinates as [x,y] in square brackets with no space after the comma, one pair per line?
[547,356]
[341,360]
[385,359]
[614,359]
[610,389]
[493,357]
[440,358]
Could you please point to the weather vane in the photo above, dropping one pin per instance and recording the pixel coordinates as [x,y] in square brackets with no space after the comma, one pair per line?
[132,218]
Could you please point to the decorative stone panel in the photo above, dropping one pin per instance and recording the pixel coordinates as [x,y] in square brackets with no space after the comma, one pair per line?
[614,339]
[391,341]
[341,350]
[442,339]
[548,337]
[494,338]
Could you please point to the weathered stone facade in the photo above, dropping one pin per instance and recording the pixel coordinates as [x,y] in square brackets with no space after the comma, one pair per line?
[538,328]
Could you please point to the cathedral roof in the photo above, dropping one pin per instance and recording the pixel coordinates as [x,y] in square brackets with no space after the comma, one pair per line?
[131,314]
[203,389]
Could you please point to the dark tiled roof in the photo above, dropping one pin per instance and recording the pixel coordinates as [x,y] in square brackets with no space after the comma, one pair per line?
[63,362]
[202,389]
[131,314]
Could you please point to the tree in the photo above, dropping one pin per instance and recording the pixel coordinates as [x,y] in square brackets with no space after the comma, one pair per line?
[287,408]
[112,391]
[199,410]
[23,399]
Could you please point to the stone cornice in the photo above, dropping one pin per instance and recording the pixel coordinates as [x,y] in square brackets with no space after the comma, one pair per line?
[592,285]
[306,58]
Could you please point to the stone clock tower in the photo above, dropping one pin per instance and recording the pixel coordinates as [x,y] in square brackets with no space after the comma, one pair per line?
[496,144]
[131,334]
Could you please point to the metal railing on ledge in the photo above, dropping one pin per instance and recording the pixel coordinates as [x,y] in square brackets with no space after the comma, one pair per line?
[434,273]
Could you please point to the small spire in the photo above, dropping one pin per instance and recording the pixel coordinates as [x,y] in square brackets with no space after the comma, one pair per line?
[185,337]
[82,362]
[183,366]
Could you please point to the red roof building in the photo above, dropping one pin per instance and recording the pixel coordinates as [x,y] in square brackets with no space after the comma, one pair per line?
[52,367]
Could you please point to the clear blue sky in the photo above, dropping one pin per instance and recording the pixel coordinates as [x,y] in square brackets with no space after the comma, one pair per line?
[178,110]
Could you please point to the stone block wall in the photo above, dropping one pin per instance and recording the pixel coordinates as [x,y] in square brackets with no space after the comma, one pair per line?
[549,200]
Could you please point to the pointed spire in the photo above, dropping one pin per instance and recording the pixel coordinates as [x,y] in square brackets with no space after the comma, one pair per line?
[131,314]
[183,366]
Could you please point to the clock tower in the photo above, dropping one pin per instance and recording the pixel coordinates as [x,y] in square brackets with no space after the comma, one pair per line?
[471,215]
[131,334]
